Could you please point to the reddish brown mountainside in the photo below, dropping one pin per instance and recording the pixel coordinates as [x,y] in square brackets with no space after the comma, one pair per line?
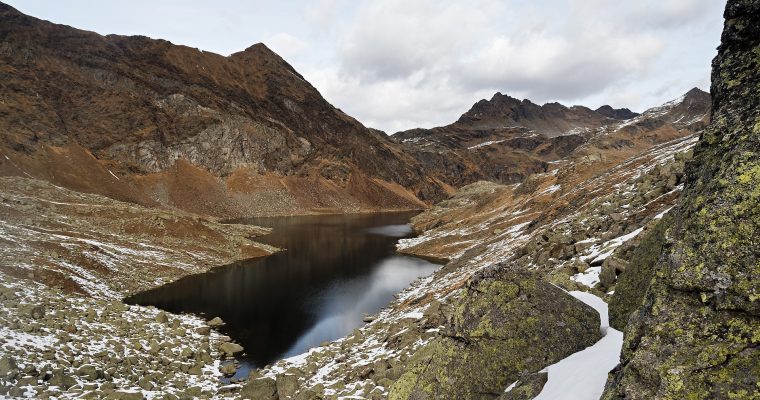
[147,121]
[505,139]
[551,119]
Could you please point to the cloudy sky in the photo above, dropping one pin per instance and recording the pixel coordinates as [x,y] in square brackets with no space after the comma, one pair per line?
[400,64]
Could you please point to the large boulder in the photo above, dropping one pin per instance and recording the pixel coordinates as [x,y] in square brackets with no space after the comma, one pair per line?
[287,385]
[230,348]
[507,323]
[262,388]
[8,366]
[62,379]
[697,333]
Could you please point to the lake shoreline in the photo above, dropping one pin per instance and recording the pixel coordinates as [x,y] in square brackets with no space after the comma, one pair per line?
[267,280]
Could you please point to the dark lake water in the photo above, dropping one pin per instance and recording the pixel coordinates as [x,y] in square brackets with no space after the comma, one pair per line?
[334,269]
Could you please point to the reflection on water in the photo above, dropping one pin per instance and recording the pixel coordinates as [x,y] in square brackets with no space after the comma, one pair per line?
[335,269]
[397,231]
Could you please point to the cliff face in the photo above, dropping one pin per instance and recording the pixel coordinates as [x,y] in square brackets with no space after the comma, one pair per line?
[695,335]
[148,121]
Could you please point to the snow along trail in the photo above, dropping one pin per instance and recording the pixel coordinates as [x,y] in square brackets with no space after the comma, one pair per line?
[581,376]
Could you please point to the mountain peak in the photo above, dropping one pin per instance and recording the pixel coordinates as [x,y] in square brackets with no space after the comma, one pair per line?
[552,119]
[258,48]
[8,10]
[616,113]
[697,93]
[501,97]
[261,53]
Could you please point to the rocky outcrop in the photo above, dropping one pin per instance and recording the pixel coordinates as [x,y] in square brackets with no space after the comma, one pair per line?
[507,322]
[620,113]
[551,119]
[115,115]
[631,286]
[695,335]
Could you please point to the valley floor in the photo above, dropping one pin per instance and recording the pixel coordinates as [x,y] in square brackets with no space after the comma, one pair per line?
[575,226]
[69,258]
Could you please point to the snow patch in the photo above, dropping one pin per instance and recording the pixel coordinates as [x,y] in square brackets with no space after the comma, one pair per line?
[582,375]
[488,143]
[588,278]
[551,189]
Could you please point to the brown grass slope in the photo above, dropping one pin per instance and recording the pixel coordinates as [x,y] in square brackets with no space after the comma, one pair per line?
[114,115]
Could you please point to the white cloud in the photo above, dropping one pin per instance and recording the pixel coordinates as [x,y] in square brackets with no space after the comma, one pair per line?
[400,64]
[404,64]
[321,15]
[395,38]
[286,45]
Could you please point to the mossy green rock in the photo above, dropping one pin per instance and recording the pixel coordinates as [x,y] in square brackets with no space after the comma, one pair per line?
[260,389]
[527,388]
[507,323]
[633,284]
[697,332]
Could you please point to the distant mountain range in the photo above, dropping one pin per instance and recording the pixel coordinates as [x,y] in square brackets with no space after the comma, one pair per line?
[158,124]
[505,139]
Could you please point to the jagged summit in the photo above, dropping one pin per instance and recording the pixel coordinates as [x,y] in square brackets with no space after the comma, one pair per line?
[505,139]
[258,47]
[259,50]
[620,113]
[551,119]
[695,91]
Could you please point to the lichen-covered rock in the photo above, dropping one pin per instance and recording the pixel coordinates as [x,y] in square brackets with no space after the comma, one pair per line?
[697,333]
[287,385]
[7,366]
[507,323]
[61,379]
[261,388]
[611,268]
[527,388]
[632,285]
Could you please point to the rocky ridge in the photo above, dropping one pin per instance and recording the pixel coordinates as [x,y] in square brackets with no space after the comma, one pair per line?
[504,140]
[692,311]
[552,119]
[146,121]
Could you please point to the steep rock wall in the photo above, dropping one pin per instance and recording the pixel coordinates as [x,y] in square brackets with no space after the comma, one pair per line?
[697,333]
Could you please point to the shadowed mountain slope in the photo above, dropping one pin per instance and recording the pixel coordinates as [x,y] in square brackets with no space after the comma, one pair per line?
[151,122]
